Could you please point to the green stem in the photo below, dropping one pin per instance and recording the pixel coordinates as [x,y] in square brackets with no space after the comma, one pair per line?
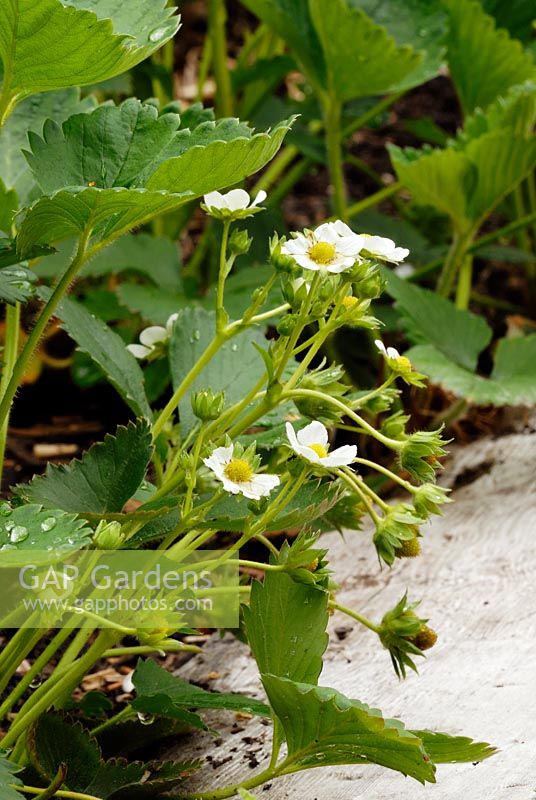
[355,615]
[55,687]
[332,124]
[142,650]
[188,379]
[452,264]
[217,17]
[39,328]
[221,314]
[373,199]
[126,713]
[11,348]
[358,490]
[59,793]
[465,281]
[34,670]
[387,472]
[21,644]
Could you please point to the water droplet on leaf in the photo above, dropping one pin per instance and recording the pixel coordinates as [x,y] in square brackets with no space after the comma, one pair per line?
[19,533]
[157,34]
[146,719]
[5,510]
[48,523]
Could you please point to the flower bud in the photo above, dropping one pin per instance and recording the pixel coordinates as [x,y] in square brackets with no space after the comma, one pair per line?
[420,453]
[207,405]
[428,498]
[409,548]
[281,262]
[108,535]
[239,242]
[286,325]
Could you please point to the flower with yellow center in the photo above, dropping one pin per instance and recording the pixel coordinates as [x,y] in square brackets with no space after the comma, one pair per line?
[311,443]
[332,247]
[393,357]
[349,302]
[238,475]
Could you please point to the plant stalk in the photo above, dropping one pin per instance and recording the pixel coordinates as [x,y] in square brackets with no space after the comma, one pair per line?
[11,348]
[217,18]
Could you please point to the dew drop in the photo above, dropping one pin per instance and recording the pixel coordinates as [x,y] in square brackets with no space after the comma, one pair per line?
[157,34]
[8,547]
[19,533]
[9,526]
[197,335]
[5,510]
[22,285]
[48,523]
[146,719]
[36,683]
[234,348]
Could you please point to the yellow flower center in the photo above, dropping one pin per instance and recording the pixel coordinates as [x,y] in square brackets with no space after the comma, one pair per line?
[403,363]
[319,449]
[322,252]
[349,302]
[238,471]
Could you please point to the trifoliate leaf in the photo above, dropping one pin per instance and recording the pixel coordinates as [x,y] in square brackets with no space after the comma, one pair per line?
[106,476]
[324,728]
[48,44]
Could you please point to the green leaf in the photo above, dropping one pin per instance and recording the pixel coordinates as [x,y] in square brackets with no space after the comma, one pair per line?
[439,178]
[32,527]
[286,627]
[157,691]
[9,779]
[154,305]
[8,207]
[89,163]
[484,61]
[48,44]
[107,349]
[28,117]
[324,728]
[52,741]
[16,284]
[235,368]
[69,213]
[445,749]
[312,501]
[515,367]
[163,778]
[102,481]
[418,23]
[460,335]
[214,161]
[361,58]
[152,256]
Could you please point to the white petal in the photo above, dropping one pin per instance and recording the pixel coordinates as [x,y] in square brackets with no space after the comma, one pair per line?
[295,246]
[399,254]
[153,335]
[392,352]
[381,347]
[342,228]
[404,270]
[340,266]
[236,199]
[218,459]
[214,200]
[350,245]
[314,433]
[340,457]
[230,486]
[259,486]
[139,351]
[170,323]
[291,435]
[128,684]
[308,453]
[261,197]
[307,263]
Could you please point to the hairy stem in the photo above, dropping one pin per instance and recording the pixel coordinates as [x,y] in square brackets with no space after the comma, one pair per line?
[217,18]
[332,123]
[11,348]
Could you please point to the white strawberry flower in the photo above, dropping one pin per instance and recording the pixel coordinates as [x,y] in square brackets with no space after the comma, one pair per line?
[332,247]
[151,338]
[312,444]
[383,249]
[236,204]
[387,352]
[238,476]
